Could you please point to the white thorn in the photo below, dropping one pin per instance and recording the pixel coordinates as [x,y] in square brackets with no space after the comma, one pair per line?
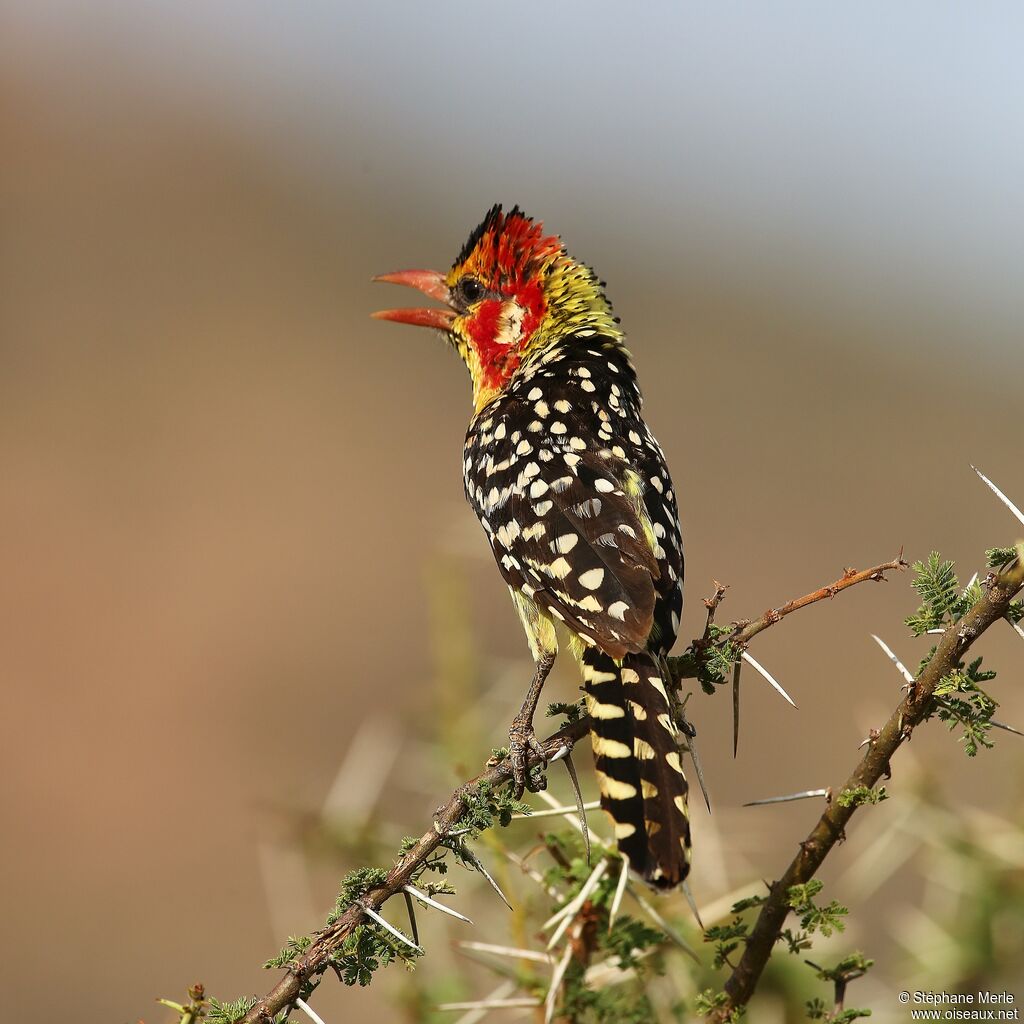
[532,873]
[757,666]
[556,981]
[569,911]
[692,902]
[904,671]
[573,818]
[475,861]
[391,928]
[1003,725]
[559,754]
[424,898]
[476,1014]
[973,580]
[999,494]
[509,951]
[411,910]
[492,1004]
[805,795]
[933,631]
[1016,628]
[663,924]
[570,769]
[610,972]
[370,757]
[309,1011]
[591,805]
[620,890]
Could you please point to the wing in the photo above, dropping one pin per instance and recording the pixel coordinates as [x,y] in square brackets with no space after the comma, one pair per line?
[567,522]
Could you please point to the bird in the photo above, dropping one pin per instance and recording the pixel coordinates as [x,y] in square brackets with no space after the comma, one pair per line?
[576,501]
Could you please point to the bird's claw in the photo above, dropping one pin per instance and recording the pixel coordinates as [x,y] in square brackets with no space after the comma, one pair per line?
[521,741]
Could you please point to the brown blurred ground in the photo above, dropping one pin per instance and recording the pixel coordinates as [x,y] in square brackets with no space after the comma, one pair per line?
[222,485]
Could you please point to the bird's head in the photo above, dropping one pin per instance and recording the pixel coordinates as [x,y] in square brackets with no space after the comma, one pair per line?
[512,292]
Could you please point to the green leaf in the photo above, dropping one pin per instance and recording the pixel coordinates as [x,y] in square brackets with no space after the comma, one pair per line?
[996,558]
[937,584]
[861,795]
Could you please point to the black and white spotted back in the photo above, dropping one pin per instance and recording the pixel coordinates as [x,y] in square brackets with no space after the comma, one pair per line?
[576,500]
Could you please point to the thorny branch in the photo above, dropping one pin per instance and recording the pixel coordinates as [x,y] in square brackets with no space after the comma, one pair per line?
[956,640]
[316,959]
[306,968]
[745,631]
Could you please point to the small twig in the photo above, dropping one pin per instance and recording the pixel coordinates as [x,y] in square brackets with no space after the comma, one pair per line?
[850,578]
[712,603]
[743,631]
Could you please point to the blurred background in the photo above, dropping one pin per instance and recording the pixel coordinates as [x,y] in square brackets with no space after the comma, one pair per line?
[233,537]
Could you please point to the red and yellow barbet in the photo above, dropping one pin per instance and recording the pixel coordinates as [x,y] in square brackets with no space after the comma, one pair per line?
[576,501]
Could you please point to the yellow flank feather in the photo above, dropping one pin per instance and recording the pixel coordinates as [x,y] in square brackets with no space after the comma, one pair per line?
[540,630]
[634,488]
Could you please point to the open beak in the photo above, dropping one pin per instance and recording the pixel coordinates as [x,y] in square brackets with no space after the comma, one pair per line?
[432,284]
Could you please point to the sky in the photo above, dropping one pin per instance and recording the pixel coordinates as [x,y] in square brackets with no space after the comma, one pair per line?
[876,146]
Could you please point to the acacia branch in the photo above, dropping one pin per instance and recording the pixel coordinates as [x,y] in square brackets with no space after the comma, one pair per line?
[317,958]
[307,967]
[953,645]
[746,631]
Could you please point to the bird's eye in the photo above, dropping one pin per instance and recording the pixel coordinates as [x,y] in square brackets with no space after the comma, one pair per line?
[470,289]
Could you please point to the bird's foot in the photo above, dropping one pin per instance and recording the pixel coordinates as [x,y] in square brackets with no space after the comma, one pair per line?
[521,741]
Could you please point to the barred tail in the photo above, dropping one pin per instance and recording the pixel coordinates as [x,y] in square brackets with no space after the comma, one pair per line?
[637,758]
